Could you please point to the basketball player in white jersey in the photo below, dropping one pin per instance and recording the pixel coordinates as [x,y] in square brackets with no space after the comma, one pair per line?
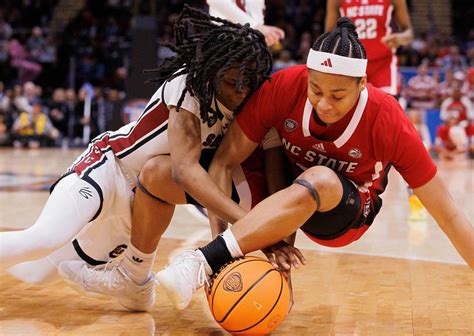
[203,85]
[246,11]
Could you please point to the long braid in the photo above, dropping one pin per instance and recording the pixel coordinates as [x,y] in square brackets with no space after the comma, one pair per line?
[341,41]
[206,47]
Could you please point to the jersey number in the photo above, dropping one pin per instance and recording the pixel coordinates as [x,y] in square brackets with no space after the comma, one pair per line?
[366,28]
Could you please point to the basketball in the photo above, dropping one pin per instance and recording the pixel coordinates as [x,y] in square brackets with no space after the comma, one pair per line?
[248,296]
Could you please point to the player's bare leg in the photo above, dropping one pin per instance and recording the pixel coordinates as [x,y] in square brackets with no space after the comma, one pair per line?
[263,226]
[267,224]
[153,209]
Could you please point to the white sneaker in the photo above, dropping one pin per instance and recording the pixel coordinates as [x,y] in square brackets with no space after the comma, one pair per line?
[109,279]
[180,279]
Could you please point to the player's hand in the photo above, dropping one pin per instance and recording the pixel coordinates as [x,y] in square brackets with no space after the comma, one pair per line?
[283,256]
[272,34]
[391,40]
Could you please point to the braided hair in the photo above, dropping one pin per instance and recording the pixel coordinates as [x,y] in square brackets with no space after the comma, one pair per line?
[206,47]
[342,41]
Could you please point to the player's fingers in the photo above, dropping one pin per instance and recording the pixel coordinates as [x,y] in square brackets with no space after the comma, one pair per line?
[281,33]
[294,255]
[268,40]
[274,33]
[300,256]
[282,261]
[271,258]
[288,253]
[271,39]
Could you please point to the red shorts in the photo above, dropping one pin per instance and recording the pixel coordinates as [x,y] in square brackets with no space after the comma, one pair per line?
[383,74]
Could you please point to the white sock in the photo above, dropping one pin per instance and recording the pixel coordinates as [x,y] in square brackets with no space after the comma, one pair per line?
[138,264]
[232,244]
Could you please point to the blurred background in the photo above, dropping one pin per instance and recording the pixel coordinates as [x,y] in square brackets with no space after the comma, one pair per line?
[72,69]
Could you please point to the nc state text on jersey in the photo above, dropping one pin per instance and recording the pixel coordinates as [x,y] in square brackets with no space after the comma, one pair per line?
[320,160]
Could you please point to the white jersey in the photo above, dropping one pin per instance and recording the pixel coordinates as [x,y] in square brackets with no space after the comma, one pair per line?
[240,11]
[137,142]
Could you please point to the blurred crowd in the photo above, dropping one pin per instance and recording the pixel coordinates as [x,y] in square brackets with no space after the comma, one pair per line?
[452,98]
[29,119]
[46,77]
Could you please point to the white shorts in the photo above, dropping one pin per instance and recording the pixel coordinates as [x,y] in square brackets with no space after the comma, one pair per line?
[108,234]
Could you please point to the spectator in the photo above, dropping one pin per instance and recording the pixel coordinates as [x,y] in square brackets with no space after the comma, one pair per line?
[454,60]
[20,101]
[417,120]
[19,59]
[458,107]
[7,108]
[70,103]
[6,32]
[470,136]
[33,130]
[115,110]
[36,45]
[451,140]
[445,88]
[422,89]
[283,61]
[49,55]
[4,134]
[78,121]
[59,112]
[468,86]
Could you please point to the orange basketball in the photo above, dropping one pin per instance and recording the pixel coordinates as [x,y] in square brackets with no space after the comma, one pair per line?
[248,296]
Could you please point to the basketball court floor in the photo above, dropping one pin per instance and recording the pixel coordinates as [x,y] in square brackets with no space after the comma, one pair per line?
[401,278]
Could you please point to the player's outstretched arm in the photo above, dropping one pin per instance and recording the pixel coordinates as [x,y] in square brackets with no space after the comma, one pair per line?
[184,136]
[233,150]
[402,18]
[438,201]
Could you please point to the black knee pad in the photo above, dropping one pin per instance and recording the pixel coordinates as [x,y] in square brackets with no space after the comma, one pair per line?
[333,223]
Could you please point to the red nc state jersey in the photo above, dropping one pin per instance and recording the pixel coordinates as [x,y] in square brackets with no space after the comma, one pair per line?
[362,146]
[372,20]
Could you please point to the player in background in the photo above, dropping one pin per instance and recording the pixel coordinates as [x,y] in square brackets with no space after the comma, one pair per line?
[452,141]
[342,136]
[201,87]
[244,11]
[457,105]
[373,20]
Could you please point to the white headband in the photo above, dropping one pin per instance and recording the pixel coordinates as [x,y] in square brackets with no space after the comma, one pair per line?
[335,64]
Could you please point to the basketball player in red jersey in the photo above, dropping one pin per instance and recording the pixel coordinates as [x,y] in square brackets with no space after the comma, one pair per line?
[341,136]
[373,19]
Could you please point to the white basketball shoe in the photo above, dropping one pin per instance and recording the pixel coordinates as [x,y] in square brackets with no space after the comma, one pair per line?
[110,280]
[187,273]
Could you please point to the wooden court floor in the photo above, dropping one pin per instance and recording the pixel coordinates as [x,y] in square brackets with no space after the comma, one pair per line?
[401,278]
